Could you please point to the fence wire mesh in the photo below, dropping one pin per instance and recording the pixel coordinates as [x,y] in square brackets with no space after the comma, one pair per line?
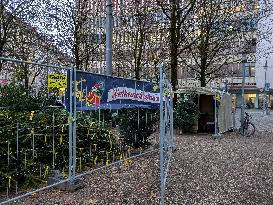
[34,127]
[166,130]
[47,140]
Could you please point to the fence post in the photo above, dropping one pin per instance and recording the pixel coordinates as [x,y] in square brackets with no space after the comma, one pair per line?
[74,144]
[70,123]
[161,137]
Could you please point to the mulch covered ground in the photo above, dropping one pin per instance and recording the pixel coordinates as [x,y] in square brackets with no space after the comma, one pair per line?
[231,170]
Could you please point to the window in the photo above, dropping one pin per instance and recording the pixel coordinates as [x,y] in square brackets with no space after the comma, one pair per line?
[249,70]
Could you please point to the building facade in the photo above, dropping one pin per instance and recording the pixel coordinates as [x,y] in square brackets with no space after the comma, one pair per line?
[246,57]
[26,44]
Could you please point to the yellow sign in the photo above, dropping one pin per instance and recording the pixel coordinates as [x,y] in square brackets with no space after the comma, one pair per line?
[57,81]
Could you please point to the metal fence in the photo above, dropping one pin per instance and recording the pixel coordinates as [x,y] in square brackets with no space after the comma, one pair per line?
[35,132]
[47,141]
[166,130]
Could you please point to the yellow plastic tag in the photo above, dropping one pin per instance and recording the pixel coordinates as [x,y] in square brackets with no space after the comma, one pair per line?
[61,139]
[46,171]
[95,160]
[107,163]
[81,149]
[9,181]
[107,155]
[31,115]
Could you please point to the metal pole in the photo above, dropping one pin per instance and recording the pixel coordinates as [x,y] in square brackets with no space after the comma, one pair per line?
[74,124]
[33,63]
[70,124]
[17,141]
[161,138]
[8,152]
[99,116]
[171,110]
[53,142]
[243,98]
[264,95]
[109,34]
[215,114]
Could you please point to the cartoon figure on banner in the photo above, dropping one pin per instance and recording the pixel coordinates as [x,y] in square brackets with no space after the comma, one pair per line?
[95,95]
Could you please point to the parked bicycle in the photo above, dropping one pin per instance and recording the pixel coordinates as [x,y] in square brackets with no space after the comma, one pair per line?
[247,128]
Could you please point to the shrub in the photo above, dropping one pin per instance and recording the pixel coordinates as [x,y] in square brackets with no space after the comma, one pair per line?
[186,111]
[35,124]
[136,125]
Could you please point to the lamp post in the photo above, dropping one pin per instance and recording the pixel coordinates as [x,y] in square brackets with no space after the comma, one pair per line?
[109,34]
[264,95]
[243,93]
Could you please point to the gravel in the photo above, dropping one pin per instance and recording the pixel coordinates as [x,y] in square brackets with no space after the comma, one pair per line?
[134,182]
[204,171]
[231,170]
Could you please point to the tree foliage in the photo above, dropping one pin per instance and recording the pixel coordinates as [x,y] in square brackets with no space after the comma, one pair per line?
[186,111]
[35,123]
[136,125]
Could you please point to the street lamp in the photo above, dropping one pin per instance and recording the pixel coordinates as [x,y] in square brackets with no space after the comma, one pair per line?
[265,88]
[243,92]
[109,36]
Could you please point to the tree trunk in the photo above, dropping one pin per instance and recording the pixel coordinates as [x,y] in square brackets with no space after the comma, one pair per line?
[26,78]
[139,55]
[173,45]
[2,42]
[77,55]
[203,79]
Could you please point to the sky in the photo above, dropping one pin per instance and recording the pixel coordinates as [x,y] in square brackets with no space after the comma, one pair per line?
[50,17]
[264,50]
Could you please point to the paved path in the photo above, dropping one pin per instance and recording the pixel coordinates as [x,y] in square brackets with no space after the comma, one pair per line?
[262,122]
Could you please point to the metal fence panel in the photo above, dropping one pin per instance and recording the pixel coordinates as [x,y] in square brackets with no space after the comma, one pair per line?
[35,132]
[66,143]
[166,130]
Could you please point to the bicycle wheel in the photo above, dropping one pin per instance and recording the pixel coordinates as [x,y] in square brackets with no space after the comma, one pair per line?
[249,130]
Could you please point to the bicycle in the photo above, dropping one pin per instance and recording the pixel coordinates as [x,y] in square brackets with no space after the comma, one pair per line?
[248,128]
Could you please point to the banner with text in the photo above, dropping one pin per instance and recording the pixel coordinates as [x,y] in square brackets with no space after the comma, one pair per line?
[96,91]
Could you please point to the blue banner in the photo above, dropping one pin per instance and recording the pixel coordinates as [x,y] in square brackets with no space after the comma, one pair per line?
[96,91]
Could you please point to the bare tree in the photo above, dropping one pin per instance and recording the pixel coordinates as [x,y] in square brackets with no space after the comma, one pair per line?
[180,16]
[138,40]
[217,26]
[9,11]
